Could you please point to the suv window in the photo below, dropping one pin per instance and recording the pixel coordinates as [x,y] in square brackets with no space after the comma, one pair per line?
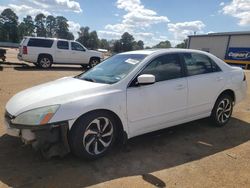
[44,43]
[76,46]
[165,67]
[199,64]
[63,45]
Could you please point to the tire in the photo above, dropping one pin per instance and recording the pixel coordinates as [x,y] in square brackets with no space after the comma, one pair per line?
[85,66]
[45,61]
[90,141]
[222,110]
[93,62]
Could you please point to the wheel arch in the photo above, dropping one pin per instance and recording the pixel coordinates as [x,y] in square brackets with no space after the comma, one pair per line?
[121,134]
[94,57]
[228,92]
[44,54]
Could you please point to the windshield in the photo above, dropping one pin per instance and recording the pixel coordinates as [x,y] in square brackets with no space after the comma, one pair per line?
[113,69]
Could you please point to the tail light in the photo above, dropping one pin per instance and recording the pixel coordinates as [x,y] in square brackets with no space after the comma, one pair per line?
[25,50]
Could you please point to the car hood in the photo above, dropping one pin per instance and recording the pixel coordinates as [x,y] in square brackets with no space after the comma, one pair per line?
[56,92]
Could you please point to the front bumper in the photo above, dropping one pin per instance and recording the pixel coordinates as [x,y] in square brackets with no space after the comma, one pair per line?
[51,138]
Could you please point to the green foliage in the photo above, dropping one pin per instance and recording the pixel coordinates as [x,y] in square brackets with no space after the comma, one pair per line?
[88,39]
[27,27]
[62,27]
[183,44]
[50,26]
[40,21]
[163,44]
[9,26]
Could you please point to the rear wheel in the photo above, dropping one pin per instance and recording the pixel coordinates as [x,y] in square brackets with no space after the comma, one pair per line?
[44,61]
[93,135]
[93,62]
[222,110]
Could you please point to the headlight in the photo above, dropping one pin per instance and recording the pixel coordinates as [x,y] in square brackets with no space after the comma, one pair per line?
[37,116]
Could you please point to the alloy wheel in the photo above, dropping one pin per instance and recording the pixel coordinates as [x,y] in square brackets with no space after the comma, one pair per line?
[45,62]
[98,135]
[224,110]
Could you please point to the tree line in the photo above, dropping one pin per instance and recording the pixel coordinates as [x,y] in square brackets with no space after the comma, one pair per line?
[57,27]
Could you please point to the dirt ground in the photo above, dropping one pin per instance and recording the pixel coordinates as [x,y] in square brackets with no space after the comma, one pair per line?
[190,155]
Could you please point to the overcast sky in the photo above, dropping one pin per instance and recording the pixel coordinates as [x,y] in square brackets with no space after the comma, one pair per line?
[149,20]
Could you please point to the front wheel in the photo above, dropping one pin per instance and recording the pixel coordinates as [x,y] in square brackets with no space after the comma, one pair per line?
[93,62]
[222,110]
[93,135]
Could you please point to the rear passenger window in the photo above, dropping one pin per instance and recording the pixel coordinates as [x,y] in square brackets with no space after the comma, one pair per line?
[165,67]
[199,64]
[63,45]
[44,43]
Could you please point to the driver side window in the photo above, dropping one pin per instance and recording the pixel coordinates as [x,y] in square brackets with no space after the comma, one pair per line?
[77,47]
[165,67]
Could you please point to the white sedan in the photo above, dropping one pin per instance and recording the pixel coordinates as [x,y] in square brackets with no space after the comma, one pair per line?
[127,95]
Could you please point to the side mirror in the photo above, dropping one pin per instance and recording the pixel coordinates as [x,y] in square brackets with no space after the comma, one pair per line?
[146,79]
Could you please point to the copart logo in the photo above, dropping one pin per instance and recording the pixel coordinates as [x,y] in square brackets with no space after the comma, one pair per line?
[239,55]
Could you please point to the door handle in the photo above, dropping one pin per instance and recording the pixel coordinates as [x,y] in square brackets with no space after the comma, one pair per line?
[219,78]
[180,86]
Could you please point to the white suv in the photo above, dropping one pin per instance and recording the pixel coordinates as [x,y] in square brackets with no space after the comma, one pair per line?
[44,52]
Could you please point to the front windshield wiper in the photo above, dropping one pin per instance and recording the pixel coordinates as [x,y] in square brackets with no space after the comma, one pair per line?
[89,79]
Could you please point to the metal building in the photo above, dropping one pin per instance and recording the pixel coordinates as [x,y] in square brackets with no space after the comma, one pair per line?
[232,47]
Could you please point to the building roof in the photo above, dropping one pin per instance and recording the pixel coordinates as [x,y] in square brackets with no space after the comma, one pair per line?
[223,34]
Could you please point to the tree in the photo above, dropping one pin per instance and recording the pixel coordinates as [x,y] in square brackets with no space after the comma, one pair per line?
[88,39]
[62,27]
[27,27]
[117,47]
[70,36]
[138,45]
[93,41]
[83,36]
[127,42]
[50,26]
[183,44]
[40,20]
[104,44]
[9,23]
[163,44]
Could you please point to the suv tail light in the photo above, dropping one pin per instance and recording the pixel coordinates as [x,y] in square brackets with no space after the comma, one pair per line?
[25,50]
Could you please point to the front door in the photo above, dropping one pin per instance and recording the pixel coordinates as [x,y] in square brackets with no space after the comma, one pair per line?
[79,54]
[150,107]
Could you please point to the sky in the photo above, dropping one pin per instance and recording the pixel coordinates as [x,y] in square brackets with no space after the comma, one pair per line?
[149,20]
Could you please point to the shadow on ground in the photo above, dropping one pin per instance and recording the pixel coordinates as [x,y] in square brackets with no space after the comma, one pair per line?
[30,67]
[22,167]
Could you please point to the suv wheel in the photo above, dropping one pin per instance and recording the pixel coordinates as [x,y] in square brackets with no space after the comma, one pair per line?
[45,61]
[93,135]
[93,62]
[222,110]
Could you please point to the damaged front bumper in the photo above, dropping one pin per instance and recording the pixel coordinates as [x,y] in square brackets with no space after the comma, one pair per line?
[51,139]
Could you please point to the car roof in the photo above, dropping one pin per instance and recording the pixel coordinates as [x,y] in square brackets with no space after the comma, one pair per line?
[29,37]
[166,50]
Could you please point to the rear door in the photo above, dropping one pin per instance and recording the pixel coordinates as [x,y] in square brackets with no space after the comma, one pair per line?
[62,54]
[205,81]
